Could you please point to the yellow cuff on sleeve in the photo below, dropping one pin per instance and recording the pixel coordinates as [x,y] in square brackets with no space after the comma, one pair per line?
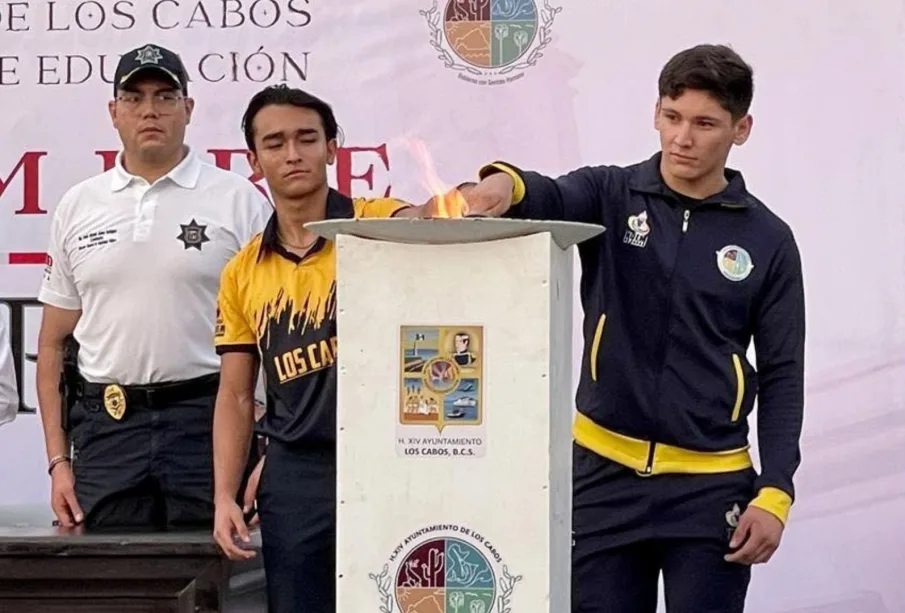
[518,189]
[774,501]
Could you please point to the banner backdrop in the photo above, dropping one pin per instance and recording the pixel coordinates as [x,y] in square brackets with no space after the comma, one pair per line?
[548,85]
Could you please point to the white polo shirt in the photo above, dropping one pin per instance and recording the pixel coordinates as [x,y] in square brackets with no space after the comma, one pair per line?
[9,394]
[142,261]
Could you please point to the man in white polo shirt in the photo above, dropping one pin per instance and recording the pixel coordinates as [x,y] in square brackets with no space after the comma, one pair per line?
[133,269]
[9,395]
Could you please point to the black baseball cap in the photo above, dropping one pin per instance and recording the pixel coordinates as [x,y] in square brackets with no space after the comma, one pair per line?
[151,58]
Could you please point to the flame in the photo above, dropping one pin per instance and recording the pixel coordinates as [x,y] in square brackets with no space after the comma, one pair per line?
[448,202]
[450,205]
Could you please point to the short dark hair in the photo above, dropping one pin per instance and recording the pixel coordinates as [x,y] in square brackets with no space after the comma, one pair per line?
[282,94]
[715,69]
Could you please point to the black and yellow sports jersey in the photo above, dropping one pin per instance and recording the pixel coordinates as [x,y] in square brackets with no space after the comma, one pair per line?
[272,301]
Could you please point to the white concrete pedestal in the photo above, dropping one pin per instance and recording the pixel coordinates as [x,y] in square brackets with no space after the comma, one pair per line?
[454,415]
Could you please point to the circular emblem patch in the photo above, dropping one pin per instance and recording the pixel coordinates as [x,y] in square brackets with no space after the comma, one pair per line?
[446,575]
[734,262]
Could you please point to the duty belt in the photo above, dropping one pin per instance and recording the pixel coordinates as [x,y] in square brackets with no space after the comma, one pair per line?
[154,396]
[648,458]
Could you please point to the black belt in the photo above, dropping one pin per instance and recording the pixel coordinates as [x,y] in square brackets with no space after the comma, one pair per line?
[154,396]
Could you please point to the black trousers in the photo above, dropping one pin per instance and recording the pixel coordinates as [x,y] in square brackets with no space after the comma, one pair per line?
[629,529]
[696,578]
[297,507]
[153,469]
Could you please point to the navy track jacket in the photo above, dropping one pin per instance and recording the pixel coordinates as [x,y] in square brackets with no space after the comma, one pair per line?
[673,293]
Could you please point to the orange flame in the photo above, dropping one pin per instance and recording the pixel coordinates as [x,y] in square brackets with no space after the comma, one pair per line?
[447,202]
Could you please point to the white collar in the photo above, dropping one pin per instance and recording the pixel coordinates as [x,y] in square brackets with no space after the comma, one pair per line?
[184,174]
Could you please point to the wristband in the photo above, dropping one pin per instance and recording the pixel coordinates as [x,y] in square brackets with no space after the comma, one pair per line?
[57,460]
[518,185]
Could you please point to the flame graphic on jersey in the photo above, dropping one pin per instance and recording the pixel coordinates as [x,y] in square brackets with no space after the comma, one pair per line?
[288,318]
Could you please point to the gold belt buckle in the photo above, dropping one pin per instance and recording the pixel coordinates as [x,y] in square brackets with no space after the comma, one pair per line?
[115,401]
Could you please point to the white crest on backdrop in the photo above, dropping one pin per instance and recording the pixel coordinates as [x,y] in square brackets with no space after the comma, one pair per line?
[493,40]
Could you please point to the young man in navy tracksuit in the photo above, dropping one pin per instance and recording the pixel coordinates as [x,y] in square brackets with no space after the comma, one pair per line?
[692,267]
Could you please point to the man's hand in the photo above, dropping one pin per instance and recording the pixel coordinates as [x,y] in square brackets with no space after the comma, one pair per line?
[229,524]
[756,537]
[251,491]
[491,197]
[62,496]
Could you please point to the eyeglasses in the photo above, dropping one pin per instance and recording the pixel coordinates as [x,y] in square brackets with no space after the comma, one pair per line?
[164,102]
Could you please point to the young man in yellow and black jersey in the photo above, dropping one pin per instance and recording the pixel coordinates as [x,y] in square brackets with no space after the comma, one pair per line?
[277,304]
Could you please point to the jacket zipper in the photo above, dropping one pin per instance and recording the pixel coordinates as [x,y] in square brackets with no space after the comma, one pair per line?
[649,466]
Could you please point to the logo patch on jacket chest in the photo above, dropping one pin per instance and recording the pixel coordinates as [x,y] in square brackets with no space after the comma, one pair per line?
[734,262]
[638,230]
